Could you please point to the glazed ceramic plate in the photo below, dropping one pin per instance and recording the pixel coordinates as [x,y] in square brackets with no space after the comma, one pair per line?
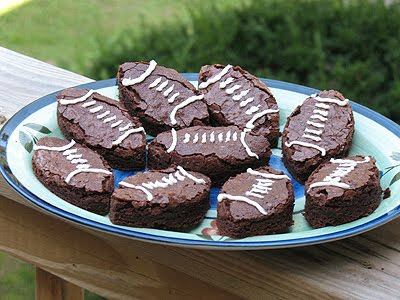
[375,135]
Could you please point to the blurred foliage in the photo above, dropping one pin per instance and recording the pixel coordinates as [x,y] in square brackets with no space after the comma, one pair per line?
[351,46]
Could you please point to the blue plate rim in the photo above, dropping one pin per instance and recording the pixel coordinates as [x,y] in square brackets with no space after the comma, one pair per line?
[12,123]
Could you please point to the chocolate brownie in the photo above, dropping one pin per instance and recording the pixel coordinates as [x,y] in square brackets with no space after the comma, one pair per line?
[171,199]
[74,173]
[103,125]
[218,152]
[341,191]
[235,97]
[317,130]
[257,202]
[160,97]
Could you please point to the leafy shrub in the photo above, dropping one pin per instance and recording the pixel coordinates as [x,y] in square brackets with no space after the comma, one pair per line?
[351,46]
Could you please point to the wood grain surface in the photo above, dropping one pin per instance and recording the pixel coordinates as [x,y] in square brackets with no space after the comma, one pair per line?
[51,287]
[362,267]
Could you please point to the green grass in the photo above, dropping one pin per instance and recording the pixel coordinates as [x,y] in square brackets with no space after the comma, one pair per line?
[64,33]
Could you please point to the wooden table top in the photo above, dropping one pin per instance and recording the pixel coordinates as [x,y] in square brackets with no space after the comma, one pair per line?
[364,267]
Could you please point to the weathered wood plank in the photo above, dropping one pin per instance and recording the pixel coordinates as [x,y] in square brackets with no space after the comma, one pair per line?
[50,287]
[24,79]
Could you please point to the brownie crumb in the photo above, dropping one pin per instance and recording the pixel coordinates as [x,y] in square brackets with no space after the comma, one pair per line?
[3,119]
[386,193]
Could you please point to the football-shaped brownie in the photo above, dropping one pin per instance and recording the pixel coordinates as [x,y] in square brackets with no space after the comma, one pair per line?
[341,191]
[235,97]
[74,173]
[103,125]
[256,202]
[218,152]
[172,199]
[160,97]
[317,130]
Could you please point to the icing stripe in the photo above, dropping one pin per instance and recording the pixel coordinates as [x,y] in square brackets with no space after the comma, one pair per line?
[172,98]
[311,137]
[110,119]
[331,100]
[196,138]
[250,124]
[204,138]
[188,175]
[322,105]
[174,141]
[77,100]
[212,137]
[349,161]
[68,152]
[144,190]
[215,78]
[253,109]
[155,83]
[321,112]
[126,134]
[182,105]
[116,123]
[247,101]
[234,136]
[222,197]
[162,86]
[63,148]
[126,127]
[133,81]
[73,156]
[96,109]
[77,171]
[90,103]
[317,132]
[305,144]
[321,118]
[101,116]
[242,140]
[266,175]
[187,138]
[225,83]
[169,90]
[241,95]
[233,89]
[318,125]
[332,183]
[79,161]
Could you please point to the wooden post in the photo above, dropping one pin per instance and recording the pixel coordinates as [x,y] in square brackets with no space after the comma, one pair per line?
[51,287]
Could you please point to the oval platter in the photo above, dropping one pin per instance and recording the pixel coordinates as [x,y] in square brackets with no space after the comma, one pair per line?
[375,135]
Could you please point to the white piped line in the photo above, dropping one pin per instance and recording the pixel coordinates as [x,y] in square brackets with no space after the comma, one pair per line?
[172,98]
[90,103]
[77,171]
[312,137]
[188,175]
[168,91]
[225,83]
[133,81]
[144,190]
[246,147]
[96,109]
[266,175]
[250,124]
[77,100]
[305,144]
[182,105]
[331,100]
[215,78]
[241,95]
[318,125]
[233,89]
[245,102]
[63,148]
[126,134]
[174,141]
[222,197]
